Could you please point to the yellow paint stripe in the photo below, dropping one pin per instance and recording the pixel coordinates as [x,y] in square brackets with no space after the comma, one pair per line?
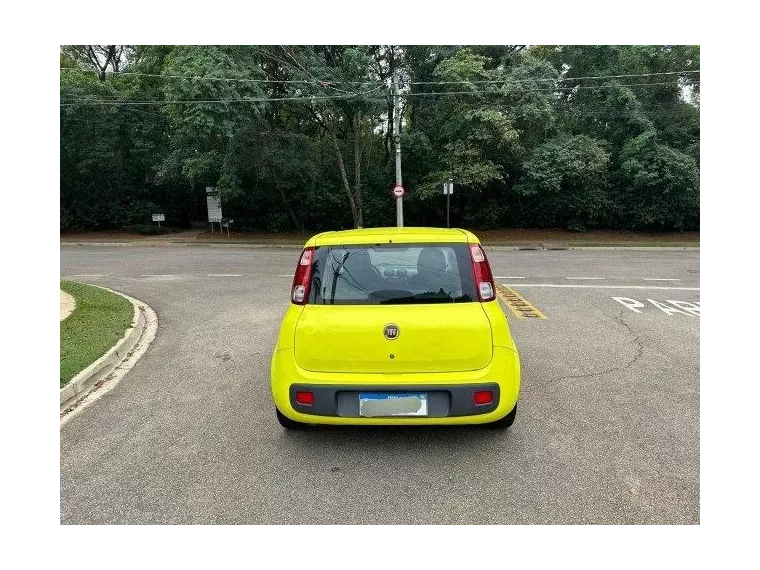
[519,305]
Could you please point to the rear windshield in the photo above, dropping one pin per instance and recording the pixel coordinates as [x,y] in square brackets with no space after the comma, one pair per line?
[392,274]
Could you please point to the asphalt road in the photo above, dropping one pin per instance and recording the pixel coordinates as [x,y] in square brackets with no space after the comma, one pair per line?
[607,429]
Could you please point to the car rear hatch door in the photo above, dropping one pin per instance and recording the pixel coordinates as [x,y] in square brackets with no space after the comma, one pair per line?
[359,338]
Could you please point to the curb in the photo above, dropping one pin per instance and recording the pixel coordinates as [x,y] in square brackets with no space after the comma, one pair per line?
[639,247]
[590,248]
[184,244]
[114,363]
[537,247]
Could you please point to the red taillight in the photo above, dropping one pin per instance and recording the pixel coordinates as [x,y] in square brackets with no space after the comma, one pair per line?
[301,281]
[482,397]
[305,398]
[481,270]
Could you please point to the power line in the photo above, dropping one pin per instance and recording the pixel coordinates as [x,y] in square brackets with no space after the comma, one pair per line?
[311,98]
[195,77]
[507,79]
[208,78]
[330,82]
[363,93]
[70,102]
[554,89]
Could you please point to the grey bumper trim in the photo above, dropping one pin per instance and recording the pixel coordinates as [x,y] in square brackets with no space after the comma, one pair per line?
[444,400]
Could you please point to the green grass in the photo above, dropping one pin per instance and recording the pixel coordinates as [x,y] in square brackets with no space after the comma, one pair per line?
[99,320]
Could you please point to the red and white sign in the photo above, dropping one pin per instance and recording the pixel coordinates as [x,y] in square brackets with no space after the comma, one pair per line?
[398,191]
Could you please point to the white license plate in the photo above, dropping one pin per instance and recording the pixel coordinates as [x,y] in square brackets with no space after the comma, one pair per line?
[378,404]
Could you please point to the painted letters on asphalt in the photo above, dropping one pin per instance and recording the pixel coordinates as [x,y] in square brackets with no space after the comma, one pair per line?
[691,309]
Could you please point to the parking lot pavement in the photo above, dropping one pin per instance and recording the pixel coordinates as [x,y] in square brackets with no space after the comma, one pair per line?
[607,429]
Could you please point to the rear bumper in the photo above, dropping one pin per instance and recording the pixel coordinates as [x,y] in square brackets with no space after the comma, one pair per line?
[450,394]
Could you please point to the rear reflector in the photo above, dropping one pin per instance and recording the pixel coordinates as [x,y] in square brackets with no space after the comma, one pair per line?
[305,398]
[482,397]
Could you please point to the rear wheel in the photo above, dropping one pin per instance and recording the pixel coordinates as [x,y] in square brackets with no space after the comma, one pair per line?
[506,421]
[286,422]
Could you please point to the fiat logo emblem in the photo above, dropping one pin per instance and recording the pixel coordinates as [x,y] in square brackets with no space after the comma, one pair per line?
[391,332]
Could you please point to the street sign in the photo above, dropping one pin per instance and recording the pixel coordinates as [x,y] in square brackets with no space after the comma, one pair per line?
[398,191]
[159,218]
[214,205]
[448,187]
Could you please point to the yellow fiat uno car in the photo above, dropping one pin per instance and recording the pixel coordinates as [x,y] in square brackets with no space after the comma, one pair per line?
[394,326]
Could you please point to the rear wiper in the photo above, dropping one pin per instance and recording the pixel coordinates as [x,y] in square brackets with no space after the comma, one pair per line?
[397,301]
[420,298]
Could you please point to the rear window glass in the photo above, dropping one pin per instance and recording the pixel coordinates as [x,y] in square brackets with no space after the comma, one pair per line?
[392,274]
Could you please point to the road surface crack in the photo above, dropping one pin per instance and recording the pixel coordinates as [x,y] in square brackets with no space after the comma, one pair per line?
[636,357]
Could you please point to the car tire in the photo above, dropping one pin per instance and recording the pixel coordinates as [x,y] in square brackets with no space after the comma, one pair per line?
[504,422]
[286,422]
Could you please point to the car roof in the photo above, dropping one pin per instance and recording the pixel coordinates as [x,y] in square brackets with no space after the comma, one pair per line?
[392,235]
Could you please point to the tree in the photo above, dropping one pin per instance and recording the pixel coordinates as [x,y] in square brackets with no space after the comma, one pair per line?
[659,186]
[482,135]
[566,181]
[341,113]
[299,137]
[205,112]
[99,58]
[279,160]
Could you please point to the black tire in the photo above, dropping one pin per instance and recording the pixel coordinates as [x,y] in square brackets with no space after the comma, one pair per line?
[286,422]
[506,421]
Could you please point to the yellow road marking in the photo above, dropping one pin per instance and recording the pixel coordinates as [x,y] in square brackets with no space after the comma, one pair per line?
[519,305]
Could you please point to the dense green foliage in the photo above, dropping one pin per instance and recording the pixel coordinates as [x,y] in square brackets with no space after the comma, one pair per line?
[298,137]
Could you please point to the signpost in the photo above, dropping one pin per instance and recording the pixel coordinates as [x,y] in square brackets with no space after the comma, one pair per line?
[159,218]
[214,206]
[448,189]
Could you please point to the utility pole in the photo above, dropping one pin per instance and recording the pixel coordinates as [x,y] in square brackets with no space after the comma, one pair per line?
[397,140]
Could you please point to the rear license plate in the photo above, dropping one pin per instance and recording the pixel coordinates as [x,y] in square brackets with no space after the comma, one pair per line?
[376,404]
